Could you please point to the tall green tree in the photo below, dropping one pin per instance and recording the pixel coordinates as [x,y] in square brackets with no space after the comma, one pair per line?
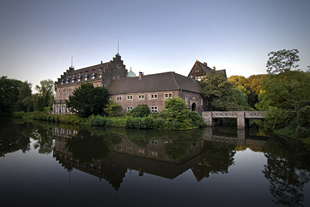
[10,94]
[45,96]
[282,61]
[24,102]
[283,87]
[219,91]
[87,100]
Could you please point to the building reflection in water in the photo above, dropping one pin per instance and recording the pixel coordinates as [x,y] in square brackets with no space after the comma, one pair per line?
[164,154]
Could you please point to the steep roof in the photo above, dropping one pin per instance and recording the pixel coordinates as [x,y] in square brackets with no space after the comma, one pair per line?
[205,67]
[156,82]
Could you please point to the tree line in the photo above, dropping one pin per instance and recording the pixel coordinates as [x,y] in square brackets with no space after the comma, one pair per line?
[16,95]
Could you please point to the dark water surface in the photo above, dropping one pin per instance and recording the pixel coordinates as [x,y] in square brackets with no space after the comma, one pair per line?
[43,164]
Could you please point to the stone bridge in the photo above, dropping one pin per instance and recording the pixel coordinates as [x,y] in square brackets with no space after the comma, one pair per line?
[211,117]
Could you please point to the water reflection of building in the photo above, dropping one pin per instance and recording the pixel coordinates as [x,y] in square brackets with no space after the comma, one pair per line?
[150,159]
[151,156]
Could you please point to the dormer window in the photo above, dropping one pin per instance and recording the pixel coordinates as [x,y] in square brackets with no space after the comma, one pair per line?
[68,80]
[63,81]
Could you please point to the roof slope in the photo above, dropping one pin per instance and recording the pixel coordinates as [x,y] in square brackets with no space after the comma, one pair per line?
[155,82]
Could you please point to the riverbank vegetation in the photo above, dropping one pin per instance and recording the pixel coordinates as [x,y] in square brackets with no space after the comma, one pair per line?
[176,116]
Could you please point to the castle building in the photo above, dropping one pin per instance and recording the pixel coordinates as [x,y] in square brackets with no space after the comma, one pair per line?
[129,91]
[153,90]
[100,75]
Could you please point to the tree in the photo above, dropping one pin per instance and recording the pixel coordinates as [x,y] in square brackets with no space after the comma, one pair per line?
[140,110]
[287,88]
[113,109]
[218,91]
[87,100]
[282,61]
[24,97]
[45,96]
[9,94]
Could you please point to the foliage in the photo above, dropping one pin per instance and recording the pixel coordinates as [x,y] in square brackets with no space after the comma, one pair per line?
[140,123]
[140,110]
[45,96]
[24,102]
[302,104]
[9,94]
[116,121]
[282,61]
[241,99]
[196,118]
[97,120]
[72,119]
[219,91]
[176,115]
[278,118]
[113,109]
[255,83]
[87,100]
[303,117]
[285,90]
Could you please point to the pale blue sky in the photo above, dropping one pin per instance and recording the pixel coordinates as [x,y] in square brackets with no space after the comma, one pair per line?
[38,37]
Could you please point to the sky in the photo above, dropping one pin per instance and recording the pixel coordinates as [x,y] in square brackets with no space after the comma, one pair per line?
[39,37]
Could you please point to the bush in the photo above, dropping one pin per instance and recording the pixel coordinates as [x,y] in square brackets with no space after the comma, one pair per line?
[302,104]
[302,132]
[113,109]
[303,117]
[72,119]
[197,120]
[141,110]
[18,114]
[98,120]
[278,118]
[46,109]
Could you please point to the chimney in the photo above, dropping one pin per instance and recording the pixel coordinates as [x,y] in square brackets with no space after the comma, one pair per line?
[205,64]
[140,75]
[214,67]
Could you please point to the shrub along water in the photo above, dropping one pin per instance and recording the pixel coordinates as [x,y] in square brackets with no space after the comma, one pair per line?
[175,116]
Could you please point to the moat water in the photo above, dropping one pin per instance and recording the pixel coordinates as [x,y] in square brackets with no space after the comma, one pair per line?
[44,164]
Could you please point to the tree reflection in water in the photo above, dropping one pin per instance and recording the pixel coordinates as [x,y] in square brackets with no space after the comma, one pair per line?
[286,171]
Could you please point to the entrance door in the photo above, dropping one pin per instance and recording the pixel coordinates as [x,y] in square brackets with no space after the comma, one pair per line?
[194,107]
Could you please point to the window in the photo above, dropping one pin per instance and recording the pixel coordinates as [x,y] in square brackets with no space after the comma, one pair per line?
[59,93]
[129,108]
[129,149]
[62,108]
[93,76]
[86,77]
[119,148]
[129,97]
[100,75]
[154,109]
[141,97]
[68,110]
[153,96]
[154,142]
[141,151]
[70,92]
[168,95]
[118,98]
[186,100]
[64,94]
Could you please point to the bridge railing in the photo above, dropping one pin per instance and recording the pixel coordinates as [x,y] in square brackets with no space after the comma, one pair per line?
[241,116]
